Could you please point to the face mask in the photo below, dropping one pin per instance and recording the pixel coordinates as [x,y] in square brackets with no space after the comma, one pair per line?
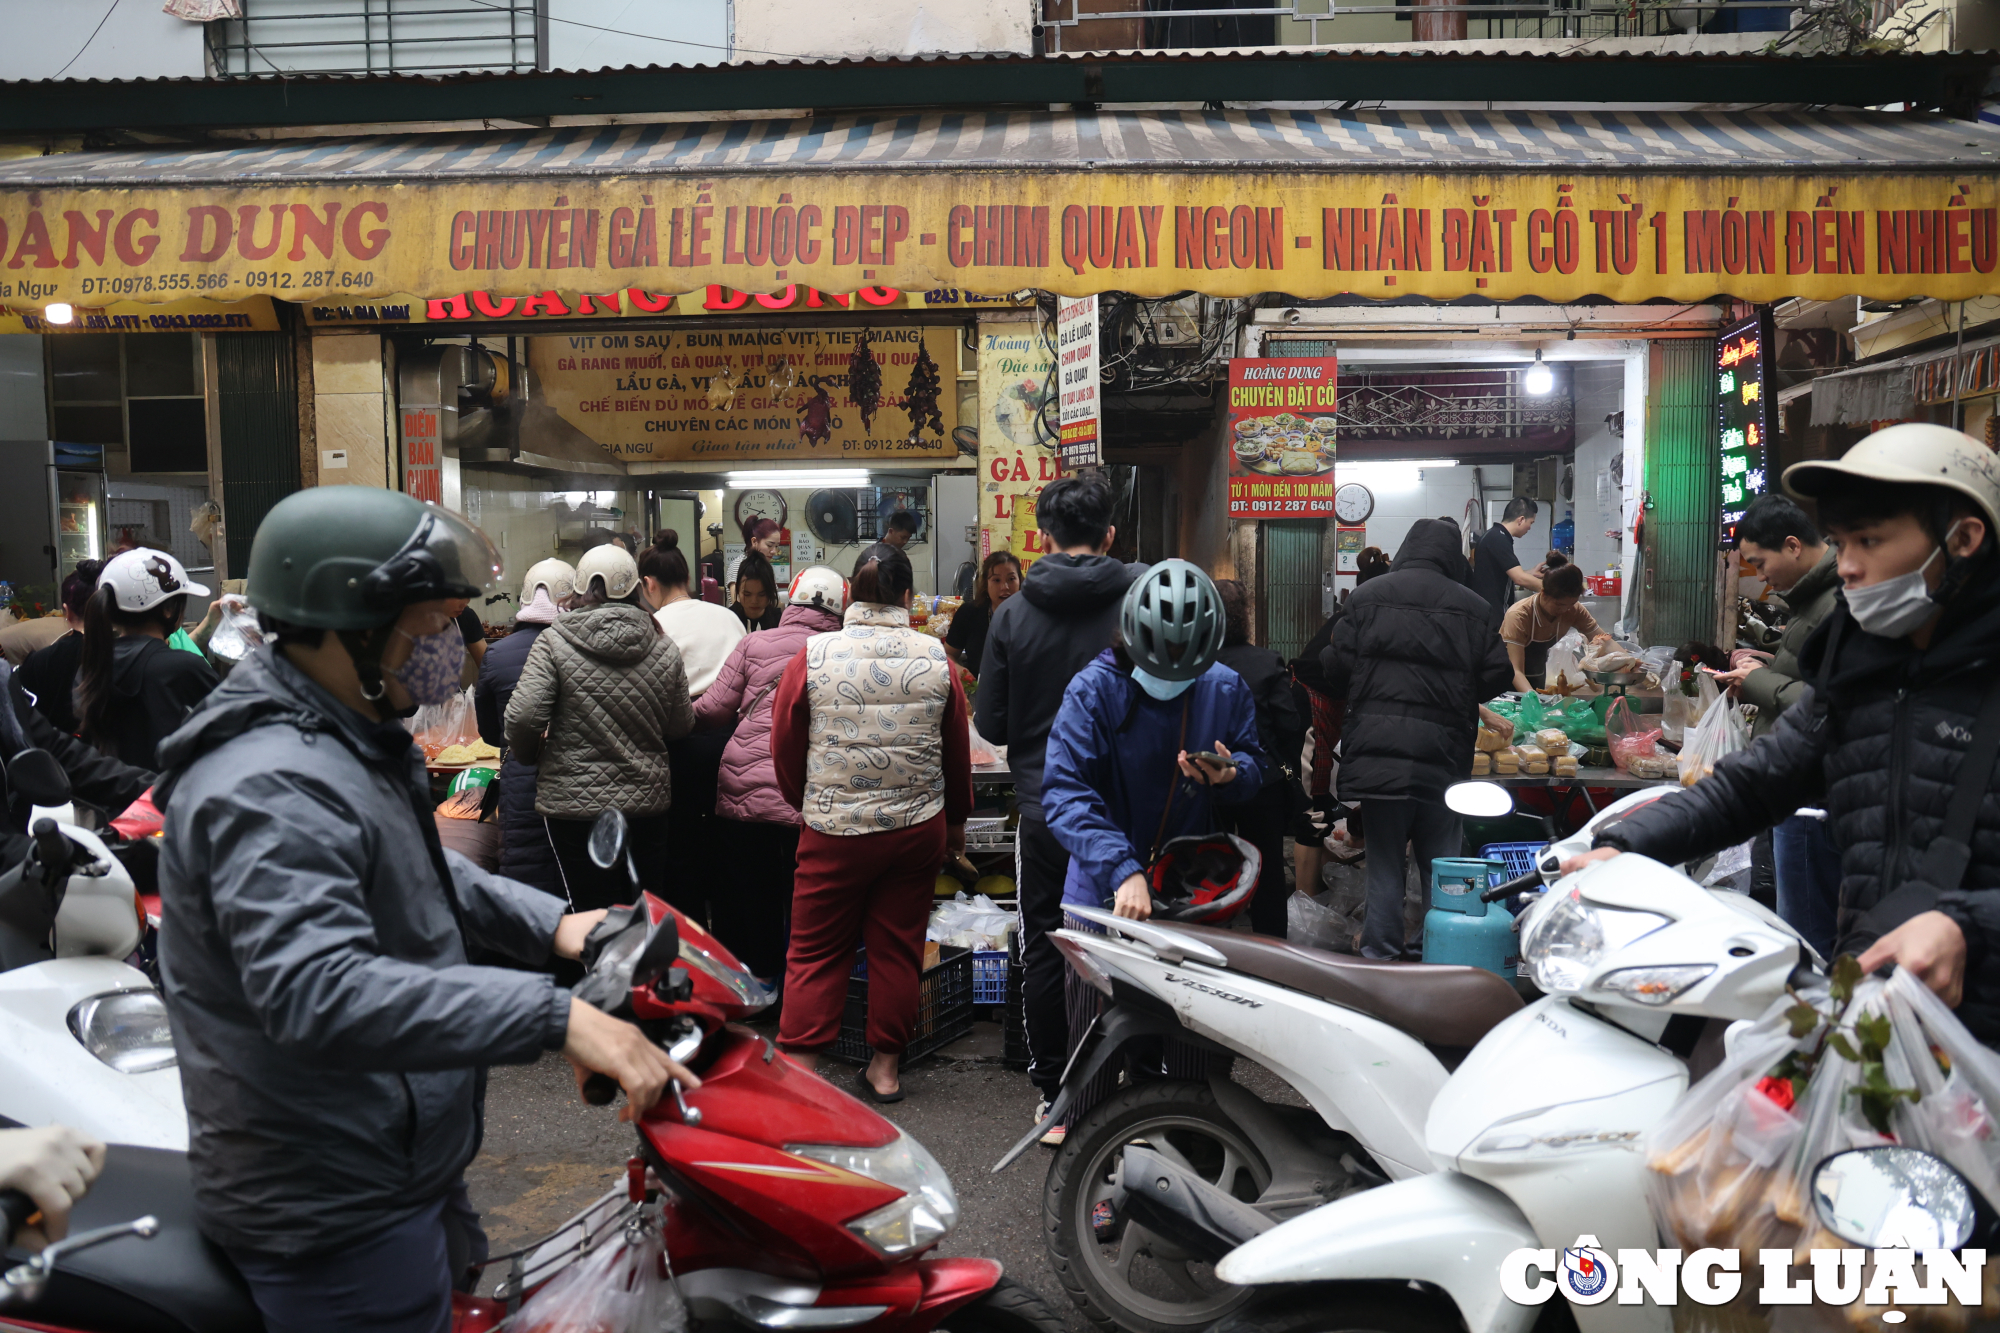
[1895,607]
[431,674]
[1162,690]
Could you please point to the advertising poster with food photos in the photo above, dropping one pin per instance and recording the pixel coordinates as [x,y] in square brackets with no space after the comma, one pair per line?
[1281,437]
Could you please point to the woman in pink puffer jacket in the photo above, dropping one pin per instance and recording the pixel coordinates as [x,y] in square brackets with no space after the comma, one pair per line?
[760,832]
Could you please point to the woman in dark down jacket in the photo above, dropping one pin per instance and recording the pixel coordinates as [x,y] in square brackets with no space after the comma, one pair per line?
[525,853]
[759,828]
[1262,820]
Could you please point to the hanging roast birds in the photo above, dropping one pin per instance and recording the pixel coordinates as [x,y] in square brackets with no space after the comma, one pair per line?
[920,400]
[864,384]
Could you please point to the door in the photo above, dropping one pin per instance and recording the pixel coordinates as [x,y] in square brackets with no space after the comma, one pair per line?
[1292,574]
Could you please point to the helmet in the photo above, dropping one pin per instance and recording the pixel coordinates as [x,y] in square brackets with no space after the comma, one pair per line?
[558,576]
[1172,621]
[352,557]
[143,578]
[821,587]
[614,565]
[1911,453]
[1206,879]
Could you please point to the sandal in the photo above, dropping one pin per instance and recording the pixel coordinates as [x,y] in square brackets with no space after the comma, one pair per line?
[870,1094]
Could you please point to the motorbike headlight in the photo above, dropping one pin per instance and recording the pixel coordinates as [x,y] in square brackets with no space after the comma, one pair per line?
[127,1030]
[928,1208]
[1572,936]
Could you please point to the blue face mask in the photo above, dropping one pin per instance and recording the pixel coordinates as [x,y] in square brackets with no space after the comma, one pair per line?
[1162,690]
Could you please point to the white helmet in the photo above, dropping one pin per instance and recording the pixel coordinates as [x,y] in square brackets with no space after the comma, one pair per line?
[821,587]
[611,563]
[142,578]
[1913,453]
[558,576]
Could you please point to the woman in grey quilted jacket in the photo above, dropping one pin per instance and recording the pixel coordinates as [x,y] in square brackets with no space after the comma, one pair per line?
[601,694]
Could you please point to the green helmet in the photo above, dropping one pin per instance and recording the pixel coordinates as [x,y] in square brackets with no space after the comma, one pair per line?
[352,557]
[1172,621]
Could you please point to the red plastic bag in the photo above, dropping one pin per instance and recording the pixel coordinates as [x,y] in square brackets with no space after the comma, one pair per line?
[1627,736]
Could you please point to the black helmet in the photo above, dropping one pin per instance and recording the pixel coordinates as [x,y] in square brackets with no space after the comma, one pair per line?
[1206,879]
[1172,621]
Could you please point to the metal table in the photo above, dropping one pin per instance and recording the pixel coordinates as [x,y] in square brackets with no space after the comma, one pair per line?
[1585,778]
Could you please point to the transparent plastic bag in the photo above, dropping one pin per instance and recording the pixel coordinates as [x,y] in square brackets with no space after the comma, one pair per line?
[1564,672]
[1626,736]
[971,923]
[1721,732]
[1314,923]
[622,1287]
[237,632]
[438,727]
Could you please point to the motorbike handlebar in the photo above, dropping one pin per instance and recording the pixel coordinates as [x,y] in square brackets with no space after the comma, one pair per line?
[1532,879]
[15,1210]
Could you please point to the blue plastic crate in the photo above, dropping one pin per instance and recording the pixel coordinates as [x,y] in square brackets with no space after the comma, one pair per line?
[1518,858]
[989,976]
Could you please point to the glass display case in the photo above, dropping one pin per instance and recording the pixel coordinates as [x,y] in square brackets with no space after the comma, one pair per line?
[79,517]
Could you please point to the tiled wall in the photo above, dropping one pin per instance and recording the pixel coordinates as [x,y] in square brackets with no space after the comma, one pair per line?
[349,411]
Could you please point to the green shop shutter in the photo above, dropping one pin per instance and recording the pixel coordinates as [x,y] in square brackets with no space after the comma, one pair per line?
[257,393]
[1292,567]
[1684,486]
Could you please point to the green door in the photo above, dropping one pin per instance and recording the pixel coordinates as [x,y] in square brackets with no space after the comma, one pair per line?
[1292,578]
[1684,488]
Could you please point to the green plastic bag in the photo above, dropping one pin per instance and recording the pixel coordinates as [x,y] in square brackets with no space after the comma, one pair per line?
[1504,707]
[1531,715]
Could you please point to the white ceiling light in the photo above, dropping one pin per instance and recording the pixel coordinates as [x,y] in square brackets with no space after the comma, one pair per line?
[61,312]
[1539,378]
[752,479]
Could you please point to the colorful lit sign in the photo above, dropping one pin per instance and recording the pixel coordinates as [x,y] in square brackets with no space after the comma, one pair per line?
[1281,424]
[1743,413]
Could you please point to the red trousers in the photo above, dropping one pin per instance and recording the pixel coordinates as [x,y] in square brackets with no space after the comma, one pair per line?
[874,889]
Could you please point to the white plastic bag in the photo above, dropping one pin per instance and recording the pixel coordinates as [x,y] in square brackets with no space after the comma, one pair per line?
[621,1287]
[1564,672]
[237,632]
[1313,923]
[1720,732]
[971,923]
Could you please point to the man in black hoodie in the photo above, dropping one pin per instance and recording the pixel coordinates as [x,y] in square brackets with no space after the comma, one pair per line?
[1065,616]
[1414,656]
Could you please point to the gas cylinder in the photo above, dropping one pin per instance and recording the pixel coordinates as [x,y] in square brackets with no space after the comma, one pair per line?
[1460,928]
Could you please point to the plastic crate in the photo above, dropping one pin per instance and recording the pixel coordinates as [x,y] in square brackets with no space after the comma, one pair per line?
[1518,858]
[988,835]
[989,976]
[944,1009]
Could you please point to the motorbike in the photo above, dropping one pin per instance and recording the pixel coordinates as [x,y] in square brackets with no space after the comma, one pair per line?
[1536,1137]
[1161,1176]
[780,1201]
[84,1038]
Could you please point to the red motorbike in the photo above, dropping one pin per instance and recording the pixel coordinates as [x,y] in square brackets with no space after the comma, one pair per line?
[773,1199]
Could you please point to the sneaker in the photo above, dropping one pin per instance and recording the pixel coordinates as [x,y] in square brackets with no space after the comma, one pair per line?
[1054,1138]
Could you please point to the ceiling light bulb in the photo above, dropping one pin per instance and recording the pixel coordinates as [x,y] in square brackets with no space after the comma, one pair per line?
[1539,379]
[59,313]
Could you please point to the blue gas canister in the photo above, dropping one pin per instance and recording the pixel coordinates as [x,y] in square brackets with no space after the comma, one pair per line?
[1460,928]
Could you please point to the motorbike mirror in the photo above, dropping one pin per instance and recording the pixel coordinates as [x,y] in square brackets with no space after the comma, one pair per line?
[662,951]
[36,775]
[1479,800]
[1889,1196]
[607,839]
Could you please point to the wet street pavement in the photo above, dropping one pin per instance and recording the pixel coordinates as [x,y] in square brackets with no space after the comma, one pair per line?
[547,1154]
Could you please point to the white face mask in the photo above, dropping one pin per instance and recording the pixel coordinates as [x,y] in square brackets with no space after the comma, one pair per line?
[1895,607]
[1162,690]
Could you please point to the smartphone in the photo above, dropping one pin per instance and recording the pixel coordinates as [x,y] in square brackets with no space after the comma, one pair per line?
[1219,760]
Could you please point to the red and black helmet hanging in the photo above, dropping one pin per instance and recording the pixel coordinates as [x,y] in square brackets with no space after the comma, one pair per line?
[1205,879]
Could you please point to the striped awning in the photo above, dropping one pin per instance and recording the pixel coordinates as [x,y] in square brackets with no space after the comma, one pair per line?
[1651,141]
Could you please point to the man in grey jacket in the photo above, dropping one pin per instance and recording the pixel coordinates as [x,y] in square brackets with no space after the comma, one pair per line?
[1781,543]
[332,1033]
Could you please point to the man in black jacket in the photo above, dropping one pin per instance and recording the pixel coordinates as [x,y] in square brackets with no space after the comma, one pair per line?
[1065,615]
[1415,656]
[1900,671]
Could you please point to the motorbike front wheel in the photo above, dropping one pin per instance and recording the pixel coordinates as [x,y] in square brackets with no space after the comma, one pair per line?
[1120,1274]
[1008,1308]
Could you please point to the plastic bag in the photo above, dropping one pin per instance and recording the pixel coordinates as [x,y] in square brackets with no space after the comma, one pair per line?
[622,1287]
[1528,717]
[1564,672]
[1312,921]
[438,727]
[237,633]
[1626,736]
[982,749]
[1720,732]
[971,923]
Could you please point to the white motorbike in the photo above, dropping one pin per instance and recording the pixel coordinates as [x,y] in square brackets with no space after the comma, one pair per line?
[1536,1139]
[1169,1163]
[84,1039]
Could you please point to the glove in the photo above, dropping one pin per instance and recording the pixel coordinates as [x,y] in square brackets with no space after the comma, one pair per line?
[53,1166]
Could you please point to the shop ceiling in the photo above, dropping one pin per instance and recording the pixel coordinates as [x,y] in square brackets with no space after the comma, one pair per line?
[1949,81]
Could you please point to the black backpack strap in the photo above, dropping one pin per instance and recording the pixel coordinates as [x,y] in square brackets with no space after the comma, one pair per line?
[1950,852]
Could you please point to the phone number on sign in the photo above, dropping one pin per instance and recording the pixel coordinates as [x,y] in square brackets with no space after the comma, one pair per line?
[1316,508]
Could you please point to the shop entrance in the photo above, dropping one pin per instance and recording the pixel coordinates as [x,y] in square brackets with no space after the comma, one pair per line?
[1293,567]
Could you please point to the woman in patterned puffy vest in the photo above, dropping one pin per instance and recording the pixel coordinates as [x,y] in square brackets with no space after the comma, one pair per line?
[869,737]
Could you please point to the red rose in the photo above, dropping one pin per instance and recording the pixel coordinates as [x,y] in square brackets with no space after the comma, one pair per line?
[1778,1090]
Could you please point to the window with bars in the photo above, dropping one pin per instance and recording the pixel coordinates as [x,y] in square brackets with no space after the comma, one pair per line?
[277,37]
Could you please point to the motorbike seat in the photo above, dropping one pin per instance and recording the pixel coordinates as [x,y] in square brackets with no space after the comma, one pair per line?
[177,1282]
[1439,1005]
